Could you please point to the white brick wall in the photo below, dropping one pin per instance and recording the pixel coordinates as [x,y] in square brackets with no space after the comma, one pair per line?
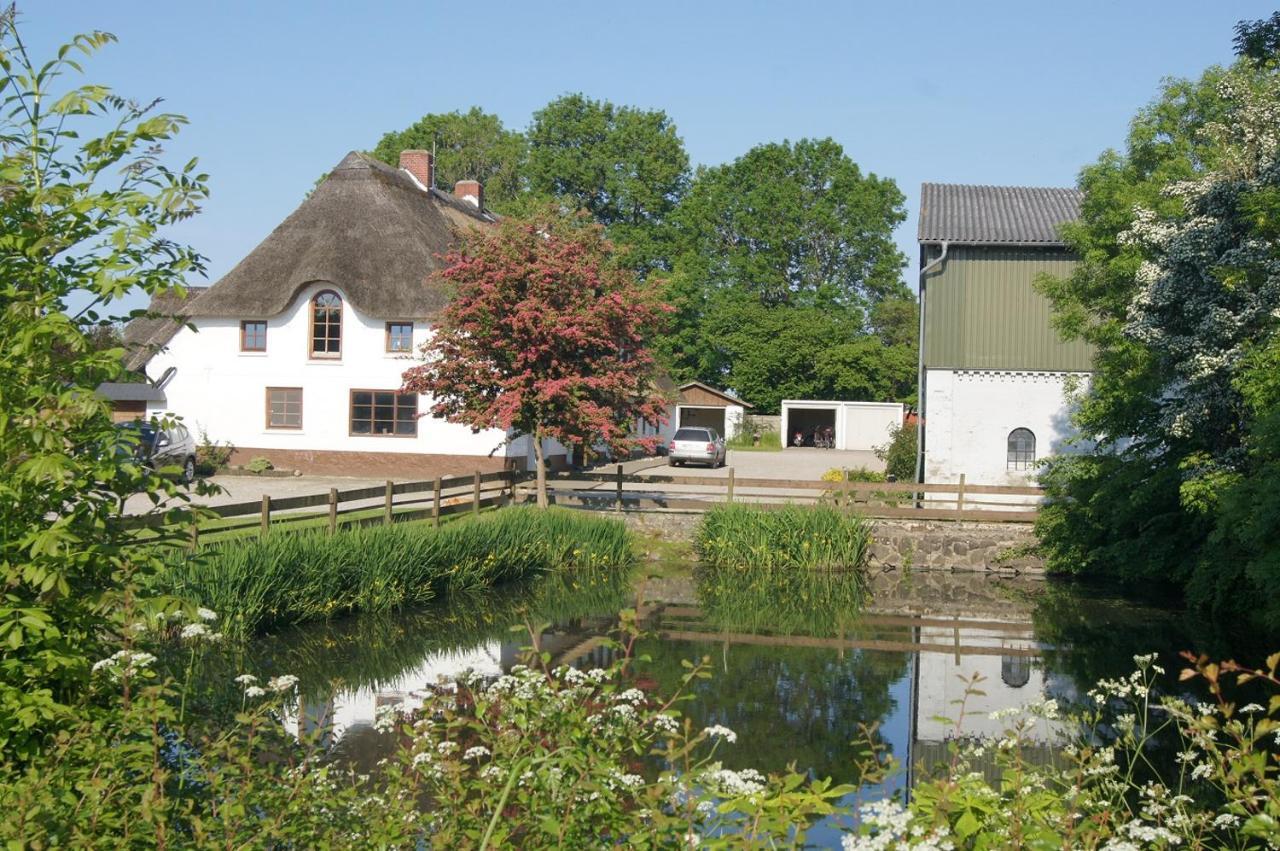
[969,414]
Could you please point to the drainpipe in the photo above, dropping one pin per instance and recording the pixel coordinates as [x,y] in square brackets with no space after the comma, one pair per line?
[920,418]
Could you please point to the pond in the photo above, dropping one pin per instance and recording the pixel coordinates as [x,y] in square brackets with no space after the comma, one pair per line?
[800,672]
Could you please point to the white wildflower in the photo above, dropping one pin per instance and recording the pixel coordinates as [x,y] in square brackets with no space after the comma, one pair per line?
[447,747]
[206,614]
[666,724]
[254,691]
[716,731]
[477,752]
[1250,708]
[194,630]
[246,679]
[284,682]
[1226,820]
[1201,771]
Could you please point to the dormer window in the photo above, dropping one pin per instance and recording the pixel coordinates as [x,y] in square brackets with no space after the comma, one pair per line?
[326,325]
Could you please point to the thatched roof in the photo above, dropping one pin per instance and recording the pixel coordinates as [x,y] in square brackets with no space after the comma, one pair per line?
[151,332]
[369,229]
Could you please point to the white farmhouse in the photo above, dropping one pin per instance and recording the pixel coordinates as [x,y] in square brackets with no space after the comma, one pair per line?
[995,377]
[296,355]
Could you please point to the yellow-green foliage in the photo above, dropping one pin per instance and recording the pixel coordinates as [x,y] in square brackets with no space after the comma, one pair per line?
[293,577]
[741,536]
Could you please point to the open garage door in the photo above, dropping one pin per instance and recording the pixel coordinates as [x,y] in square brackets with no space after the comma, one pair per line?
[703,418]
[810,424]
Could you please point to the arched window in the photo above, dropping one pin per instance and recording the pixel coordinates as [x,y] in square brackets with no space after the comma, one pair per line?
[1022,449]
[326,325]
[1015,671]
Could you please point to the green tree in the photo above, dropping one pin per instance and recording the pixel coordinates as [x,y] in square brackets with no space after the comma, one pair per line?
[471,145]
[1179,290]
[786,254]
[82,213]
[625,166]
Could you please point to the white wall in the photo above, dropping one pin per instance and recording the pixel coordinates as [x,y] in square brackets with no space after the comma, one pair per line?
[943,679]
[222,390]
[969,414]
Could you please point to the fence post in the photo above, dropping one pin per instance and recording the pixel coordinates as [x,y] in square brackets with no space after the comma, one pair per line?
[960,499]
[729,494]
[387,502]
[333,510]
[618,506]
[266,514]
[475,493]
[435,502]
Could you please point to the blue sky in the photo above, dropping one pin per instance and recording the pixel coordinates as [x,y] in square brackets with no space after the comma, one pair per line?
[1008,93]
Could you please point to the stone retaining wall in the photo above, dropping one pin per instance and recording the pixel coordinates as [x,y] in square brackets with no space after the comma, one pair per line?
[916,544]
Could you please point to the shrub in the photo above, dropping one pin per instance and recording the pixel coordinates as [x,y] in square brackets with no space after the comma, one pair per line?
[308,575]
[741,536]
[212,456]
[899,454]
[859,474]
[259,465]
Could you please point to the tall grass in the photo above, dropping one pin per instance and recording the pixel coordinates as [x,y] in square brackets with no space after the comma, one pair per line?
[741,536]
[289,578]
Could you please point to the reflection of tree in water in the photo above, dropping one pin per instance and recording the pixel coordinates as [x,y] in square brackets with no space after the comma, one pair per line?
[375,650]
[1091,635]
[787,704]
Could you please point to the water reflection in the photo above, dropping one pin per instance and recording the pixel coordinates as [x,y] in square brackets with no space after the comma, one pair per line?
[802,664]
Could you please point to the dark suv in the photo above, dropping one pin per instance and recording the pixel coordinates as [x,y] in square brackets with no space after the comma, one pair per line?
[165,447]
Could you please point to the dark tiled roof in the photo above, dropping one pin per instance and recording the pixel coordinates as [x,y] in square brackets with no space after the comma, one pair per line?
[131,391]
[995,215]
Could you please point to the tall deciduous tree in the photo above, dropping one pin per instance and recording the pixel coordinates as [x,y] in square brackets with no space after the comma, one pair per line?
[547,336]
[625,166]
[1179,289]
[798,231]
[470,145]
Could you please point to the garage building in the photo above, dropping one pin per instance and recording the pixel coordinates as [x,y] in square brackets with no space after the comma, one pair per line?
[703,406]
[854,425]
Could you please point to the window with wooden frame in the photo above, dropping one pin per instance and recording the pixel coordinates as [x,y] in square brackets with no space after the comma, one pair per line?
[1021,449]
[384,413]
[253,335]
[284,407]
[326,325]
[399,337]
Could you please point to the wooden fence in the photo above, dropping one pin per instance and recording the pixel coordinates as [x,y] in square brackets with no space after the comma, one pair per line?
[619,490]
[386,503]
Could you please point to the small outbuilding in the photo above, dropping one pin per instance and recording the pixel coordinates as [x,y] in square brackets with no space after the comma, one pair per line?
[849,425]
[701,405]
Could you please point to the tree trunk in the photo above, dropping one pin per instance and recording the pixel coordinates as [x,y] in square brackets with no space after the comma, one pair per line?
[541,465]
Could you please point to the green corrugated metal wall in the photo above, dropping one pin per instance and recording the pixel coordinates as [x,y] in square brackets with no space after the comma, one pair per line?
[983,312]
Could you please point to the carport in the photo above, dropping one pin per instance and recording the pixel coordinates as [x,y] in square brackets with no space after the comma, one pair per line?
[702,418]
[855,425]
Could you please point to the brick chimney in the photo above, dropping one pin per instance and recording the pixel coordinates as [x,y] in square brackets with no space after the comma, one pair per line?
[421,165]
[470,190]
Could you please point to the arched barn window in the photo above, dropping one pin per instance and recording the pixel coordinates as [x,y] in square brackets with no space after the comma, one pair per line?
[326,325]
[1015,671]
[1022,449]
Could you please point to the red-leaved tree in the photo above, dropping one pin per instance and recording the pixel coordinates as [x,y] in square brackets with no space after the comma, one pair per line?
[547,336]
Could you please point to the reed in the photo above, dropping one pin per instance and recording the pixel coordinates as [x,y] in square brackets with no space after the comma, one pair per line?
[288,578]
[742,536]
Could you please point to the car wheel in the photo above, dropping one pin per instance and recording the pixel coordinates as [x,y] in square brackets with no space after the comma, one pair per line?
[189,471]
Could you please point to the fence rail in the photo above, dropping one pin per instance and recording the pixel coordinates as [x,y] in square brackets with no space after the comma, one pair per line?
[884,500]
[444,496]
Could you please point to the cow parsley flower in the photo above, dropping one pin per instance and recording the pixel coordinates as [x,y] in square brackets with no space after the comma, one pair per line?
[254,691]
[716,731]
[246,679]
[206,614]
[284,682]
